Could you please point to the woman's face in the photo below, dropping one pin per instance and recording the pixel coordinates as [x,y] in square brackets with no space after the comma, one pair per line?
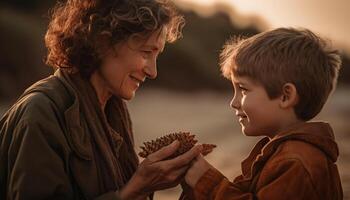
[127,65]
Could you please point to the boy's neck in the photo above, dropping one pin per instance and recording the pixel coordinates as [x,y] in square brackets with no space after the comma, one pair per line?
[287,125]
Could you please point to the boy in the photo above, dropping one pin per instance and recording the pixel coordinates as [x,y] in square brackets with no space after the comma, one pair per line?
[281,80]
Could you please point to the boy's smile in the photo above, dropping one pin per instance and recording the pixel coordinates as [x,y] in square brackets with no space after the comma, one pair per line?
[241,117]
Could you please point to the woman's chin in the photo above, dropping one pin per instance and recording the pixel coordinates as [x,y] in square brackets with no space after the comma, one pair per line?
[128,96]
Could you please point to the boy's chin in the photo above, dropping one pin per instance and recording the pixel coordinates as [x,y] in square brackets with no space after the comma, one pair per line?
[247,132]
[244,131]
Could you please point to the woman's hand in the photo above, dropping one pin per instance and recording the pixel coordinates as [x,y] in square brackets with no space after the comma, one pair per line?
[197,170]
[155,173]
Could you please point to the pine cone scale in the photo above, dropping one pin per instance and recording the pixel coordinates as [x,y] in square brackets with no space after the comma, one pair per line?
[186,140]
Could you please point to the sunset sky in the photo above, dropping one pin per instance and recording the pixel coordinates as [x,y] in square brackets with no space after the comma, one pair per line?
[330,18]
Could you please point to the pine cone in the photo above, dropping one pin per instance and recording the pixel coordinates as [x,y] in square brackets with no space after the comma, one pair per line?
[186,140]
[207,148]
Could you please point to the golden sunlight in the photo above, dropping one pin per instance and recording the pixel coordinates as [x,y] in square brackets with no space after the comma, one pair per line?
[328,17]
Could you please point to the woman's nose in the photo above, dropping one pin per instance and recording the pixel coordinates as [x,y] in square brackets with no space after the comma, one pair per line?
[151,69]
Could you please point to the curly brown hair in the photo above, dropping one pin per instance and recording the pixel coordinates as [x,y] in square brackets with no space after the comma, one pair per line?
[73,35]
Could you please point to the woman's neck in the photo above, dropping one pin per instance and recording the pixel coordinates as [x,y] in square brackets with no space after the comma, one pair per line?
[101,88]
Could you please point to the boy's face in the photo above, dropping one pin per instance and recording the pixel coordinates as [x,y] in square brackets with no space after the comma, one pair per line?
[257,113]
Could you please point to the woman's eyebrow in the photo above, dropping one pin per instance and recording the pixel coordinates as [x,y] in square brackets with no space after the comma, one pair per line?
[154,48]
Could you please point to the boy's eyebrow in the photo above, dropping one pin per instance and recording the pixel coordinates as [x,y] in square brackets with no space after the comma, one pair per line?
[238,82]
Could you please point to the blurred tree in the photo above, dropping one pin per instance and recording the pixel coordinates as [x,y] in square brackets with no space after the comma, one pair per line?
[192,62]
[21,53]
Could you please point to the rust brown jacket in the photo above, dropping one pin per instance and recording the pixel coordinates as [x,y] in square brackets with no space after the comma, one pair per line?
[53,146]
[296,164]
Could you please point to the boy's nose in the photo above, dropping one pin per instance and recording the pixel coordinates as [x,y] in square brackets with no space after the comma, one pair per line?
[234,103]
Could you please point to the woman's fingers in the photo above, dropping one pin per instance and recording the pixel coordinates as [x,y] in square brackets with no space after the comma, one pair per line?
[184,159]
[157,173]
[164,152]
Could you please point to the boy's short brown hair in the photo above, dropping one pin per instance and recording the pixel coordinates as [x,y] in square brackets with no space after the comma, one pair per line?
[286,55]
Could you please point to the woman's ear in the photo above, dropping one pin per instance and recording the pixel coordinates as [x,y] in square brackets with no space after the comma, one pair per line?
[289,96]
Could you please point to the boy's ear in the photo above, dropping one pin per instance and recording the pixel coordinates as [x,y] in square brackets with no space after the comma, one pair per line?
[289,96]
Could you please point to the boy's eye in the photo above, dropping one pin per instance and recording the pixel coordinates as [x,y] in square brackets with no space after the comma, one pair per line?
[242,89]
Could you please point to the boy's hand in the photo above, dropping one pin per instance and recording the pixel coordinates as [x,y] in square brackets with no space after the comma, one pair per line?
[197,170]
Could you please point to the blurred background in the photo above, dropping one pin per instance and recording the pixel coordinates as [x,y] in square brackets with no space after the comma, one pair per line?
[189,93]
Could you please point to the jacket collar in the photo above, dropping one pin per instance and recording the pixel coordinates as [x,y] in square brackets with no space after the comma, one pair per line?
[318,134]
[78,139]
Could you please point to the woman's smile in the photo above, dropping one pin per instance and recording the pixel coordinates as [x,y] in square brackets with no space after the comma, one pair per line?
[138,81]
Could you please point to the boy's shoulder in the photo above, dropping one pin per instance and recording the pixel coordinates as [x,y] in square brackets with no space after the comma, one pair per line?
[311,140]
[311,145]
[313,157]
[307,154]
[303,159]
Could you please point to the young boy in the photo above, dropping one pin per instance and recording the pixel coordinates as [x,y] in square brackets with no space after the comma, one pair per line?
[281,80]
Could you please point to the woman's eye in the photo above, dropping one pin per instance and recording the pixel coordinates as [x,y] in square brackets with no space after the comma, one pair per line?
[147,52]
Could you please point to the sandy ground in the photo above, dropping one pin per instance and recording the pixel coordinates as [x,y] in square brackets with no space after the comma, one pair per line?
[156,112]
[208,115]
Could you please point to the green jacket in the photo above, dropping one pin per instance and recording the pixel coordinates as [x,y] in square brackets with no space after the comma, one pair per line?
[46,151]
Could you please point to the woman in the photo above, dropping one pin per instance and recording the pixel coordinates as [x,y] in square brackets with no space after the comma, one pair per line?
[69,136]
